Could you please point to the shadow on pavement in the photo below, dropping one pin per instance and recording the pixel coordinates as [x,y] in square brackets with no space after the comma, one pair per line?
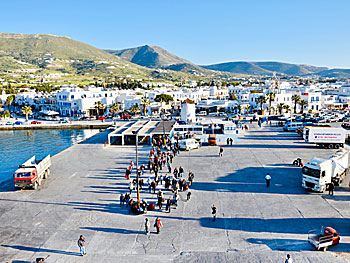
[294,245]
[42,250]
[276,225]
[112,230]
[252,180]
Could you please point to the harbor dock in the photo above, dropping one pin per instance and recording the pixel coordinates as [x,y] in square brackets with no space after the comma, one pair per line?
[254,223]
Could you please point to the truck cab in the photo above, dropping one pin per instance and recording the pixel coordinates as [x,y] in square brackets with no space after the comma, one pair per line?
[327,237]
[25,177]
[316,174]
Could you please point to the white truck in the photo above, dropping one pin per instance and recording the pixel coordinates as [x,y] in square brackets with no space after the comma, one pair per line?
[31,173]
[318,173]
[331,138]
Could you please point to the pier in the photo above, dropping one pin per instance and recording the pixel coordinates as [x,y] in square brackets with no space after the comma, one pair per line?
[254,223]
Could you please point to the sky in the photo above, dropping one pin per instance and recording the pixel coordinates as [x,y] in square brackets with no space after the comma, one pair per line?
[203,32]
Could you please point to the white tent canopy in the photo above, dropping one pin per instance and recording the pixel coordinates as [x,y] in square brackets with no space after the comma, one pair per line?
[49,112]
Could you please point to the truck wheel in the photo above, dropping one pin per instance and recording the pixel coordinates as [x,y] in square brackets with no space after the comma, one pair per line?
[337,146]
[321,145]
[35,185]
[45,175]
[324,249]
[331,146]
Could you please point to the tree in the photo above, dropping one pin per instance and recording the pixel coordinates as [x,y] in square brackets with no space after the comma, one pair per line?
[248,108]
[9,100]
[302,104]
[163,98]
[145,103]
[233,96]
[280,107]
[26,110]
[286,107]
[114,108]
[99,106]
[261,100]
[296,99]
[271,97]
[135,109]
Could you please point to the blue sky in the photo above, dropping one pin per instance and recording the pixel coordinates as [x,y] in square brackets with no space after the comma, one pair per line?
[204,32]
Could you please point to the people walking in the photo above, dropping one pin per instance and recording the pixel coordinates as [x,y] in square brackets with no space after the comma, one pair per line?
[213,212]
[221,151]
[158,224]
[122,200]
[268,180]
[81,245]
[147,226]
[231,141]
[331,188]
[288,259]
[168,205]
[188,194]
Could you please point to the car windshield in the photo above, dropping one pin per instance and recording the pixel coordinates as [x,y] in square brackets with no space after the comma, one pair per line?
[311,172]
[18,175]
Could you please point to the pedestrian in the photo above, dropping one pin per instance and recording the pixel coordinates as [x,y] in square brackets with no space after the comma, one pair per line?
[188,194]
[288,259]
[81,245]
[331,188]
[228,141]
[231,141]
[131,186]
[122,200]
[221,151]
[168,205]
[147,226]
[158,224]
[268,180]
[161,179]
[169,167]
[213,212]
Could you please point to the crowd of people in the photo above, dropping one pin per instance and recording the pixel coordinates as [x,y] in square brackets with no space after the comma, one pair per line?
[158,177]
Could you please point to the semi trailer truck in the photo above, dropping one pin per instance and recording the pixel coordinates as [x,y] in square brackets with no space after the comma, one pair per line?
[331,138]
[318,173]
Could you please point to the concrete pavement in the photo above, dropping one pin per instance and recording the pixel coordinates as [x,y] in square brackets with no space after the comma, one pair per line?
[254,223]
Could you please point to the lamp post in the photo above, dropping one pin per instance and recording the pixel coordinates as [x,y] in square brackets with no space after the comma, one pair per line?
[137,170]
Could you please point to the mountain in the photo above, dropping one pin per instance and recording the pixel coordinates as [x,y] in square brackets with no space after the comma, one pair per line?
[22,52]
[156,57]
[266,68]
[149,56]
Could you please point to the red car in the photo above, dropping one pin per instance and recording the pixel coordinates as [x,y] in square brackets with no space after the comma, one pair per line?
[102,118]
[36,122]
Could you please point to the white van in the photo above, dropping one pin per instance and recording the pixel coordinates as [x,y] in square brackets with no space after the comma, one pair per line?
[202,113]
[292,126]
[188,144]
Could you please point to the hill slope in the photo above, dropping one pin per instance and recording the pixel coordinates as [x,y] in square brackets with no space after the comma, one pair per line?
[265,68]
[149,56]
[50,52]
[156,57]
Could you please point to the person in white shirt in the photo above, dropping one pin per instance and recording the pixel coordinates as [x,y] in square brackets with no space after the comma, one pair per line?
[268,180]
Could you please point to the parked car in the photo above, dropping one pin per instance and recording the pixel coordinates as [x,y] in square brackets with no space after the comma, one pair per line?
[36,122]
[102,118]
[18,123]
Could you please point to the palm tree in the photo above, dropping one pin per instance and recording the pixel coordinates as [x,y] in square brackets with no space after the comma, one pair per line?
[98,106]
[271,97]
[286,107]
[135,109]
[9,100]
[145,103]
[239,108]
[280,107]
[261,100]
[248,108]
[296,99]
[114,108]
[26,110]
[302,104]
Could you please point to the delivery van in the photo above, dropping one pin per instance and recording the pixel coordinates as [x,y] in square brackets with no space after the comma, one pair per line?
[188,144]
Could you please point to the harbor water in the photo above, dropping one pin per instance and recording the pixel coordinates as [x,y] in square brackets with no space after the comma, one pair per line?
[16,146]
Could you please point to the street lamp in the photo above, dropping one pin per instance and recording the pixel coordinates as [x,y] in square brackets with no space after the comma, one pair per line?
[137,169]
